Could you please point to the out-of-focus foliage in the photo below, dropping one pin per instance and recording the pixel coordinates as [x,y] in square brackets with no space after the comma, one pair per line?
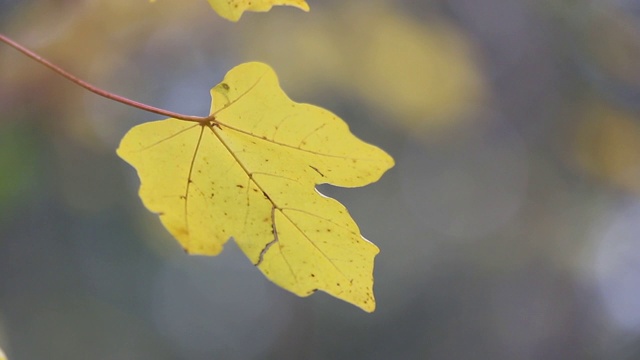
[252,175]
[18,165]
[91,38]
[423,75]
[607,144]
[233,9]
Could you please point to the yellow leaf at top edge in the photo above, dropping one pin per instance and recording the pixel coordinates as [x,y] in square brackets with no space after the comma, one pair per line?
[251,175]
[2,355]
[233,9]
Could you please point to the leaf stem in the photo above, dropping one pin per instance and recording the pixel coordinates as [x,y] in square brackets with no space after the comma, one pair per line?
[97,90]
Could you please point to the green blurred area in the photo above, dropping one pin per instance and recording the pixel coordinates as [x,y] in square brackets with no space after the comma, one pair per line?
[18,165]
[509,228]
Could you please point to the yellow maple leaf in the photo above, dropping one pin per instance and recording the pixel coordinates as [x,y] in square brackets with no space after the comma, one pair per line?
[251,175]
[233,9]
[2,355]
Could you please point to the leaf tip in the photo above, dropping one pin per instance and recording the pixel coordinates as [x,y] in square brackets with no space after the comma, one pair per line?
[304,6]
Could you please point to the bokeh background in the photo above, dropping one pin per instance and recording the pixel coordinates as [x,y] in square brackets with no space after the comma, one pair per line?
[509,227]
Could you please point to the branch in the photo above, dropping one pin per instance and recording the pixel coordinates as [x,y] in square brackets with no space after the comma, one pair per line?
[96,90]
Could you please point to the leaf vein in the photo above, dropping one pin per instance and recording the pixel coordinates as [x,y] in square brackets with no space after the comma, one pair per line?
[228,105]
[167,138]
[189,181]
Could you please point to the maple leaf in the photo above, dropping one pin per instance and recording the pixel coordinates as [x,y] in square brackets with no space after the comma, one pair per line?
[2,355]
[251,173]
[233,9]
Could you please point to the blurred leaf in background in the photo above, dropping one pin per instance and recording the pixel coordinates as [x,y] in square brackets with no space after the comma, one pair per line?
[607,144]
[422,75]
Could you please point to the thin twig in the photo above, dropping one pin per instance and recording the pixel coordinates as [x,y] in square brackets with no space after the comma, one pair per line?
[99,91]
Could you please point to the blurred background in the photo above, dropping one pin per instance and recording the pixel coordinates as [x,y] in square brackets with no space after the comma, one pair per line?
[509,227]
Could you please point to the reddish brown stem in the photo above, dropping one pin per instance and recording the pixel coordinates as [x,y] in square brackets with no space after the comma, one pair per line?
[99,91]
